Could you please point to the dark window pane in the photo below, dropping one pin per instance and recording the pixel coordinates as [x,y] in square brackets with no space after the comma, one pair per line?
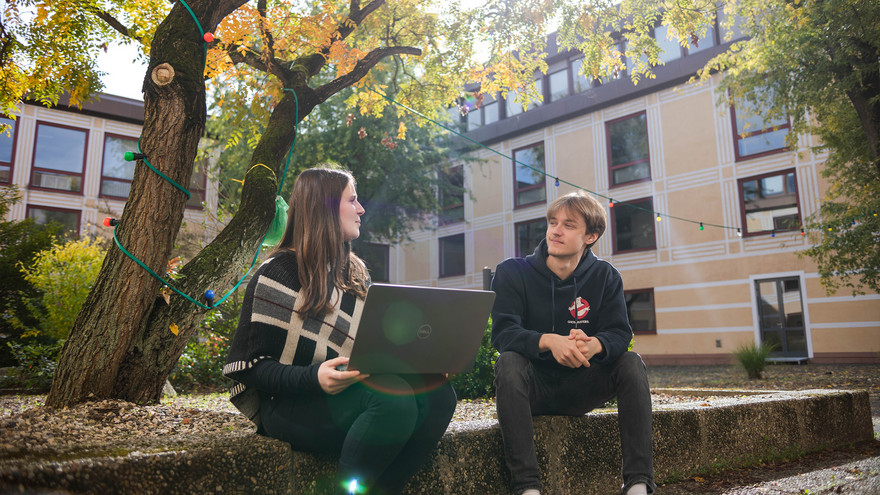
[529,171]
[634,226]
[629,140]
[529,235]
[51,180]
[762,143]
[452,255]
[755,133]
[640,310]
[115,188]
[632,173]
[4,173]
[770,203]
[60,149]
[197,185]
[452,196]
[769,306]
[69,220]
[376,258]
[115,165]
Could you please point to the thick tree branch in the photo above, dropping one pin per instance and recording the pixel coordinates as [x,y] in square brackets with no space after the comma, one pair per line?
[362,68]
[357,15]
[114,23]
[268,40]
[241,54]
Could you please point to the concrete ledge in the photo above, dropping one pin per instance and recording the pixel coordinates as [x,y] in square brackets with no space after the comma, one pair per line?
[577,454]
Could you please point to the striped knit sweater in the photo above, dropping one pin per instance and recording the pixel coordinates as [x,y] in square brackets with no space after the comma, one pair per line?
[270,327]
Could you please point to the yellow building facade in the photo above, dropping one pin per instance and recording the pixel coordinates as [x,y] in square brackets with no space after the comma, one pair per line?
[706,208]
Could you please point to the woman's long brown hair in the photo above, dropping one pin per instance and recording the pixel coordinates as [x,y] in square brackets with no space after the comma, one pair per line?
[314,233]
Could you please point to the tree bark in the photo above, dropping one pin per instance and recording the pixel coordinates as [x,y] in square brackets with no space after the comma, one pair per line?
[121,345]
[116,313]
[867,106]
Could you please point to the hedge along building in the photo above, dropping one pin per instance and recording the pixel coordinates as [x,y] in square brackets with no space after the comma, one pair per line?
[696,290]
[68,164]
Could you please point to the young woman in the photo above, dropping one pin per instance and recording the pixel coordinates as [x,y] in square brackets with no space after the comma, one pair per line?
[296,328]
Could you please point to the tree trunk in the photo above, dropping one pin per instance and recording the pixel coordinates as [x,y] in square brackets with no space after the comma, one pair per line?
[115,314]
[121,345]
[866,97]
[868,109]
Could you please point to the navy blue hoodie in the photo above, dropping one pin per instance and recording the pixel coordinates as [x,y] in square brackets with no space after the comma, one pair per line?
[531,300]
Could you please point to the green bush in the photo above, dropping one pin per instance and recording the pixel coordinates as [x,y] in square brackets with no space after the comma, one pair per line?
[64,275]
[36,365]
[480,382]
[200,367]
[20,241]
[753,358]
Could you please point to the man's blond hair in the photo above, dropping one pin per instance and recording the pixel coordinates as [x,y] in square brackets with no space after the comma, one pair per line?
[585,205]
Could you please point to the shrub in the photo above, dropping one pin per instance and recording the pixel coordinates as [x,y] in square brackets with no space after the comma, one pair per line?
[64,274]
[20,241]
[753,358]
[480,382]
[36,365]
[200,367]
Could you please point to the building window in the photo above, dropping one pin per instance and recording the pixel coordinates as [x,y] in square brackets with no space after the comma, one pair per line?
[455,116]
[670,49]
[490,113]
[558,84]
[770,203]
[528,170]
[753,135]
[67,219]
[628,159]
[707,41]
[452,195]
[473,119]
[581,83]
[640,310]
[512,107]
[633,225]
[197,184]
[452,255]
[59,158]
[529,235]
[117,173]
[631,63]
[7,149]
[376,258]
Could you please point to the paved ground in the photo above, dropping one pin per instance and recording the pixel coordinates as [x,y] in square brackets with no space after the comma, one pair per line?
[853,470]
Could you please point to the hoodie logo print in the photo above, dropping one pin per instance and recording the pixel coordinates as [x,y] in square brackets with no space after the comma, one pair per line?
[579,308]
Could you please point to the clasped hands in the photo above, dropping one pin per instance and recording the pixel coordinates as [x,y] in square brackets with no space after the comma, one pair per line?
[573,351]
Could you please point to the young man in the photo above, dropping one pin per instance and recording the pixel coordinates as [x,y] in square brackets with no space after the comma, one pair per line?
[560,324]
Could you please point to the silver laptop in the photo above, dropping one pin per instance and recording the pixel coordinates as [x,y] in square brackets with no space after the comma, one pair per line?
[406,329]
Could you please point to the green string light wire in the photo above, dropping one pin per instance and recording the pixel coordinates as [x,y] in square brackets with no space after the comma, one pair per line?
[201,31]
[155,275]
[171,286]
[542,172]
[154,169]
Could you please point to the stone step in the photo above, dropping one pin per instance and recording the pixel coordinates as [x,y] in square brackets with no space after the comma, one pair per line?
[577,454]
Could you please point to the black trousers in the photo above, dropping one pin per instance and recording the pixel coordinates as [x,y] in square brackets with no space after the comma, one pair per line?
[382,430]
